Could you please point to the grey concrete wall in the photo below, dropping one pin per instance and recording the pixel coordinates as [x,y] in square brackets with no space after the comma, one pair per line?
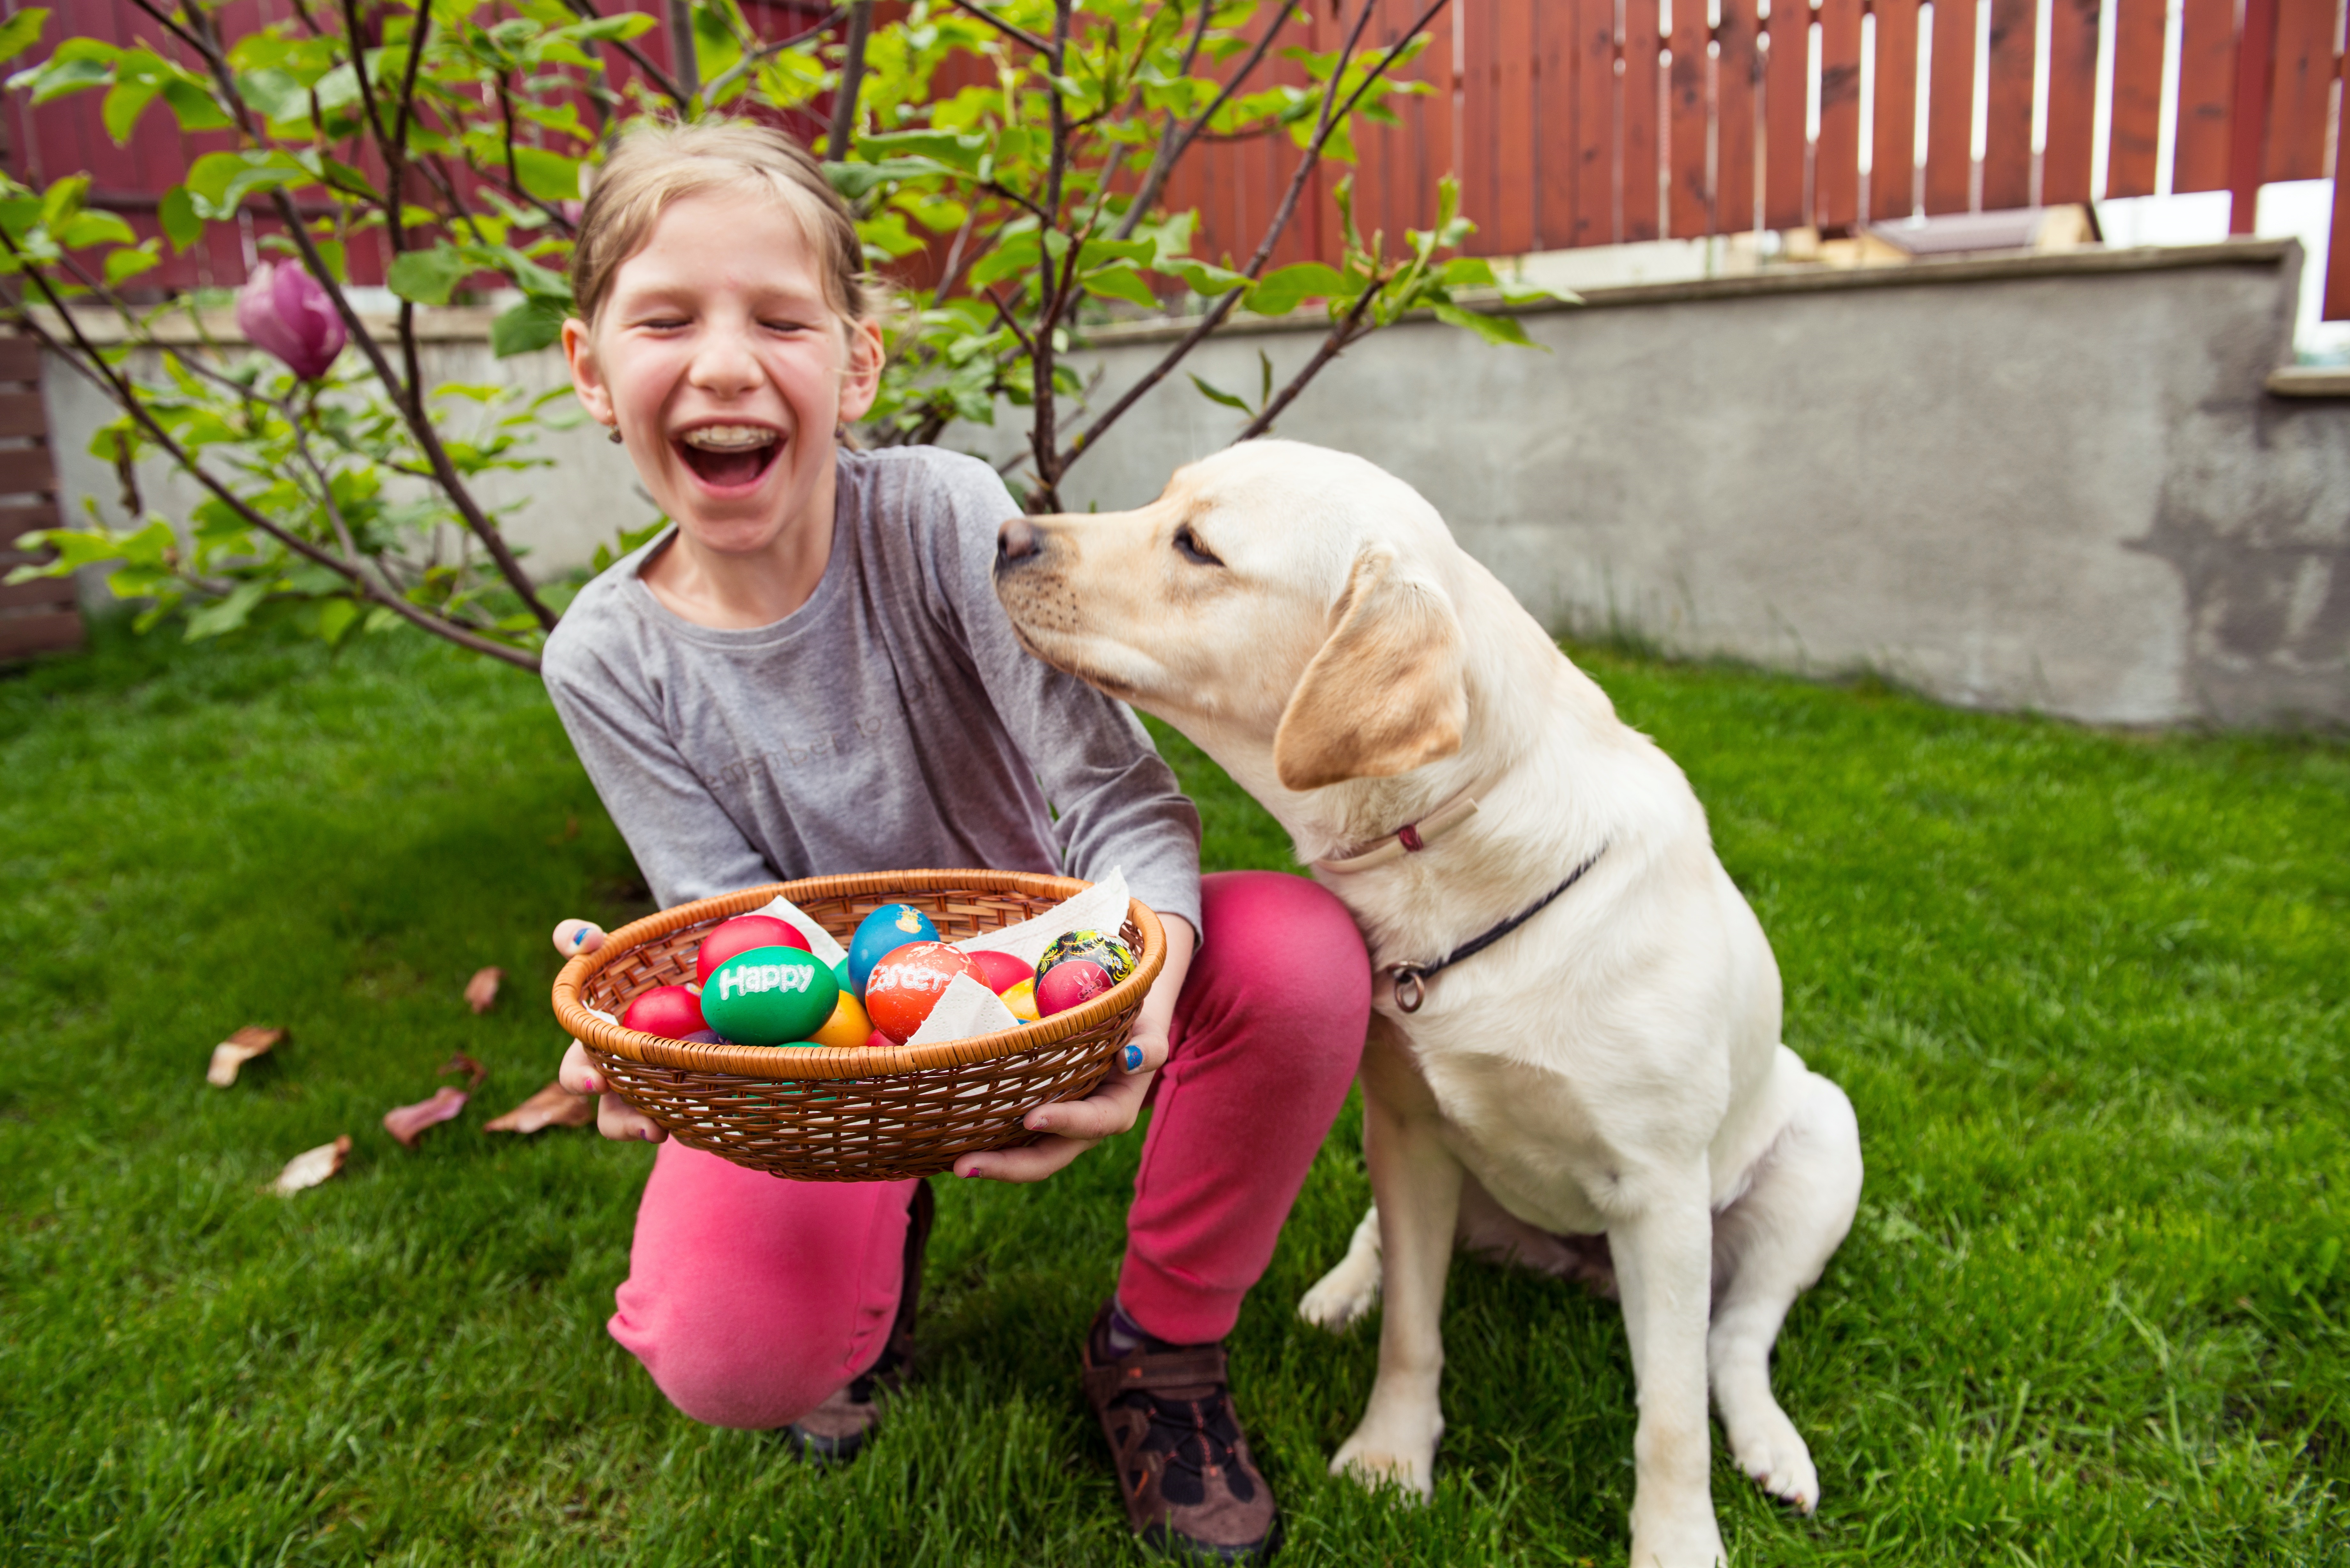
[2052,482]
[2048,483]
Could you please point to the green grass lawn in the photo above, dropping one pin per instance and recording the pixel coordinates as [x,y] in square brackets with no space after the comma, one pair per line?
[2086,991]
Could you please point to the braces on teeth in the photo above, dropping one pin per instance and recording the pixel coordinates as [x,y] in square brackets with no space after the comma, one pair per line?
[729,438]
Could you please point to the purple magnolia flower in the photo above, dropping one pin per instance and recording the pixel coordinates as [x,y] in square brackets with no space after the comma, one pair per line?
[283,309]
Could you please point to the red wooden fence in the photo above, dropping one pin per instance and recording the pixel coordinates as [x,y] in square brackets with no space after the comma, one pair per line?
[1588,123]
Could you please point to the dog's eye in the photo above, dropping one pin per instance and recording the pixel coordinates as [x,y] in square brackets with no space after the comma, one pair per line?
[1188,543]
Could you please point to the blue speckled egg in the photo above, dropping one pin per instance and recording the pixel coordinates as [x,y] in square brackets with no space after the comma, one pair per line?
[881,933]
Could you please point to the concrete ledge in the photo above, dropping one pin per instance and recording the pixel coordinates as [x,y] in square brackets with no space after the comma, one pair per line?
[2309,381]
[445,324]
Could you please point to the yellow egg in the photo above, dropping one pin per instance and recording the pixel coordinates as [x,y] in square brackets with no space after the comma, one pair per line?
[847,1026]
[1022,999]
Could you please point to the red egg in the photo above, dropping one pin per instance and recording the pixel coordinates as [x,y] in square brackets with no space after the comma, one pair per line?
[877,1041]
[905,986]
[1070,985]
[999,972]
[740,935]
[671,1011]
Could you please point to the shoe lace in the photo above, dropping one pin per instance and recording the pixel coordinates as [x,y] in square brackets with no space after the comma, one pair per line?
[1200,1437]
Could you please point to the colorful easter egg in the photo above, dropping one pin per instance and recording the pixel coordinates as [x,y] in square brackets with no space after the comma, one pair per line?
[1072,983]
[769,996]
[740,935]
[1115,957]
[877,1041]
[880,934]
[840,975]
[907,983]
[1022,999]
[848,1026]
[671,1011]
[1000,971]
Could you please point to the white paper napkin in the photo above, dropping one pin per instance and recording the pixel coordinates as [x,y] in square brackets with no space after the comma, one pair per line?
[827,952]
[965,1008]
[1100,908]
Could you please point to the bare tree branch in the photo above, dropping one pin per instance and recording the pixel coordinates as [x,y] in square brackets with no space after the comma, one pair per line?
[852,79]
[1010,30]
[652,73]
[684,60]
[1174,144]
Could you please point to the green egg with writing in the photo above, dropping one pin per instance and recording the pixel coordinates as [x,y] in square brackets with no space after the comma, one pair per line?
[769,996]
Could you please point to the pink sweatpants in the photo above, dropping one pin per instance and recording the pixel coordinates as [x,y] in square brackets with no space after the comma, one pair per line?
[751,1299]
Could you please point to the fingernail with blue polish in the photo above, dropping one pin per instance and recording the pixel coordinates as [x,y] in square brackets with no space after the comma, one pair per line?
[1134,1058]
[578,936]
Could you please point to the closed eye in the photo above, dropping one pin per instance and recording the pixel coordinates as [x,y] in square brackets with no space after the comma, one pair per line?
[1188,544]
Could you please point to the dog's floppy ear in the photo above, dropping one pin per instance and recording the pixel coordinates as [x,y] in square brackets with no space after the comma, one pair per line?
[1387,692]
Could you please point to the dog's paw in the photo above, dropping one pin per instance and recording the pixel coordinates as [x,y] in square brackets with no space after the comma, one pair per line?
[1774,1453]
[1379,1460]
[1688,1539]
[1341,1298]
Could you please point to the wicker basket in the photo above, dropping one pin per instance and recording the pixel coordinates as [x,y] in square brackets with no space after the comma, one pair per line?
[828,1115]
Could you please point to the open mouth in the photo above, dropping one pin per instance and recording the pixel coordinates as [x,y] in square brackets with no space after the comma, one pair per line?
[730,457]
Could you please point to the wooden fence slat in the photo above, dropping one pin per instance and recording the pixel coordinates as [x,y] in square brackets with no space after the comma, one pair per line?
[1555,30]
[2065,168]
[1481,123]
[1837,171]
[24,470]
[1893,160]
[1785,87]
[21,414]
[1951,109]
[1688,155]
[1514,154]
[2337,249]
[39,632]
[2007,145]
[1642,52]
[1736,75]
[38,591]
[2301,91]
[2137,98]
[21,517]
[1595,107]
[1442,157]
[2207,85]
[20,360]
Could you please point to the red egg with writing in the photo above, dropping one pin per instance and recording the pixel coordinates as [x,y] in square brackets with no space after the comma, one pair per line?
[740,935]
[671,1011]
[905,986]
[1070,985]
[999,972]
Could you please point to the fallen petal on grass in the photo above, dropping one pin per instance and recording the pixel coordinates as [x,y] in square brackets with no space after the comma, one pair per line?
[408,1122]
[312,1167]
[237,1050]
[481,990]
[552,1107]
[474,1072]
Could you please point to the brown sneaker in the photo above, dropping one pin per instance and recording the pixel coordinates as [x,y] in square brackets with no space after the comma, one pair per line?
[1183,1460]
[835,1431]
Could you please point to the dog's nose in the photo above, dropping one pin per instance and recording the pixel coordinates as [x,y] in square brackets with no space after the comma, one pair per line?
[1017,542]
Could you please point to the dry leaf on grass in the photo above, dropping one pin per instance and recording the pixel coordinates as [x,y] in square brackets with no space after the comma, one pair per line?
[309,1168]
[459,1062]
[552,1107]
[481,990]
[410,1121]
[237,1050]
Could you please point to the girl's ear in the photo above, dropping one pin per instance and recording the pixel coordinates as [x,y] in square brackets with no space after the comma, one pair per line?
[861,382]
[586,377]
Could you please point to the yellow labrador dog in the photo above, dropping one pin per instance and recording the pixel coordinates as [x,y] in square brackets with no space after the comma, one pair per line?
[1576,1024]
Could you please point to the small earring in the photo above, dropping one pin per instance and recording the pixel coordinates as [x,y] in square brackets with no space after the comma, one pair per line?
[613,435]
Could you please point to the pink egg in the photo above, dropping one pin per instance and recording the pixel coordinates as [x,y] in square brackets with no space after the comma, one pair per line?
[740,935]
[1001,971]
[1070,985]
[671,1011]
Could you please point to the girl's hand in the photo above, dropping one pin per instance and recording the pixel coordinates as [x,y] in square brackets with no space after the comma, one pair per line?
[1073,1126]
[615,1117]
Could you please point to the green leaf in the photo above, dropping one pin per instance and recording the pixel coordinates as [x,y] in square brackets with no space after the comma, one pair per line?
[1218,395]
[276,95]
[181,226]
[1120,282]
[194,107]
[86,229]
[549,176]
[62,75]
[956,152]
[1491,328]
[1016,254]
[130,262]
[21,32]
[220,182]
[62,199]
[1467,272]
[853,180]
[1282,292]
[532,325]
[226,615]
[337,617]
[1205,278]
[125,102]
[428,277]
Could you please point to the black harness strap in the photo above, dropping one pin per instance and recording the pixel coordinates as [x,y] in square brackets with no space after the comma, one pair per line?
[1415,976]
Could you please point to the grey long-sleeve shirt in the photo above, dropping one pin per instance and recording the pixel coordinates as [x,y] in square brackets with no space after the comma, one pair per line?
[891,721]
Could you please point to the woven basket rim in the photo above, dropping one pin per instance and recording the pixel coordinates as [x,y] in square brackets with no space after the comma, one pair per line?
[848,1062]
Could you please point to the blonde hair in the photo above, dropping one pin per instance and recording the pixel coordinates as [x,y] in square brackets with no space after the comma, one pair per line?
[655,164]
